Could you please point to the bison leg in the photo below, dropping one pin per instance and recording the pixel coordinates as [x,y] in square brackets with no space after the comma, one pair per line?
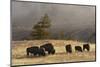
[69,51]
[83,49]
[53,52]
[49,52]
[88,49]
[27,53]
[43,54]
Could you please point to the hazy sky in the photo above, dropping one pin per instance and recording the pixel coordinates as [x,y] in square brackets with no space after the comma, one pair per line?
[63,17]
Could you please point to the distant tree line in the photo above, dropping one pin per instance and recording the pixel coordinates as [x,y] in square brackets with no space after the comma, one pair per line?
[41,31]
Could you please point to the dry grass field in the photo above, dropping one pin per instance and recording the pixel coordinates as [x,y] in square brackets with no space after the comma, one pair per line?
[19,52]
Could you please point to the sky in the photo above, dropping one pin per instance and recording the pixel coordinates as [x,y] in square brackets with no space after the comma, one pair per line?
[64,17]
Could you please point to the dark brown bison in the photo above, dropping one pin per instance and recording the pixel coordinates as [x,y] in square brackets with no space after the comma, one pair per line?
[78,48]
[49,48]
[36,51]
[86,46]
[68,48]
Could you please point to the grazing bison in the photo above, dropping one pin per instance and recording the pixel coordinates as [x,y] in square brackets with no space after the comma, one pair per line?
[68,48]
[49,48]
[78,48]
[36,51]
[86,46]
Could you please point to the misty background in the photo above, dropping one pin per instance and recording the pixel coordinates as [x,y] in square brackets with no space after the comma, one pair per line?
[74,20]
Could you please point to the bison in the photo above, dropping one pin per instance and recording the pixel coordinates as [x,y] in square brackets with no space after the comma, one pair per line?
[49,48]
[86,46]
[78,48]
[68,48]
[36,51]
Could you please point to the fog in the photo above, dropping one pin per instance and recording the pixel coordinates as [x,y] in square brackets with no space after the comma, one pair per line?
[69,18]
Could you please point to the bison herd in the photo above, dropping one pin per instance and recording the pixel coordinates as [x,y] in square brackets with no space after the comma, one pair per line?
[41,51]
[49,49]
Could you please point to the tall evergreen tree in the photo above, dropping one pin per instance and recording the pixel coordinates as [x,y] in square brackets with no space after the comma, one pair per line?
[40,30]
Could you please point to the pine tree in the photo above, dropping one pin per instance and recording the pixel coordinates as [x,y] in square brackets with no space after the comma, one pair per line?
[40,30]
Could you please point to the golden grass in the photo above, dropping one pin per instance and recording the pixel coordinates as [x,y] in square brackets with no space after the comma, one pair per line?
[19,52]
